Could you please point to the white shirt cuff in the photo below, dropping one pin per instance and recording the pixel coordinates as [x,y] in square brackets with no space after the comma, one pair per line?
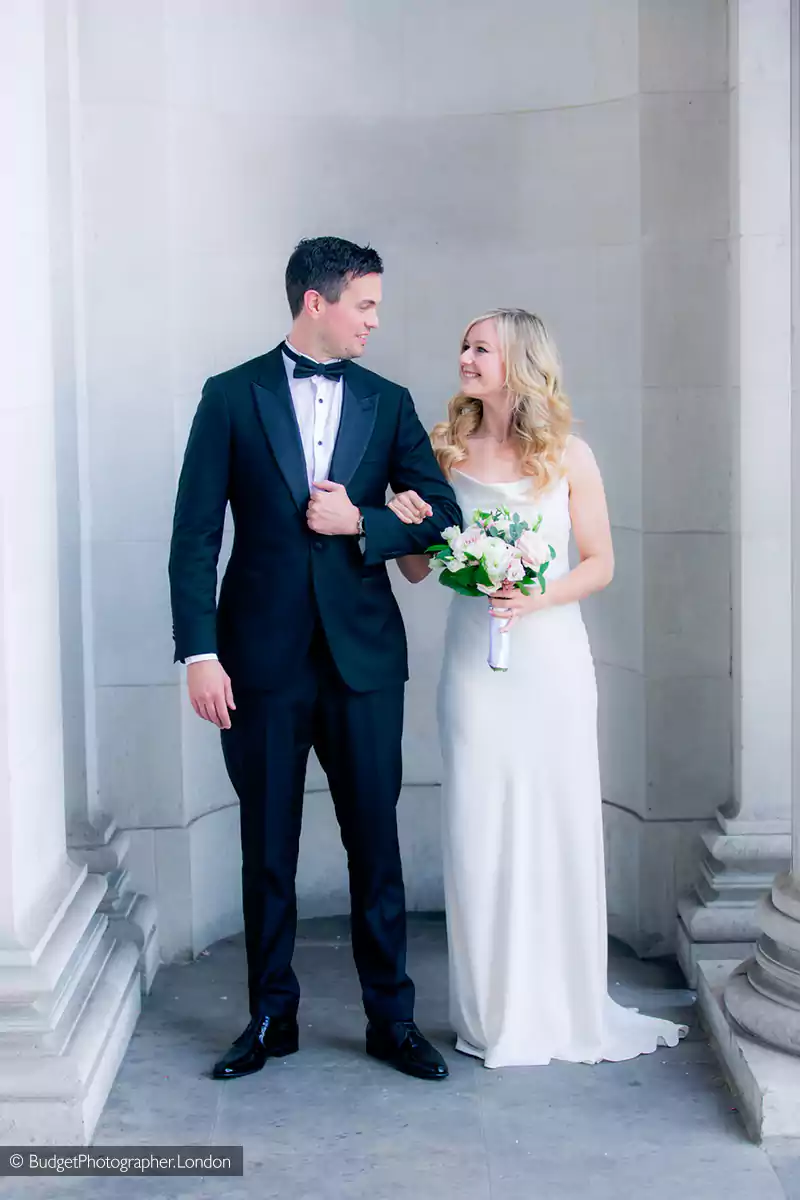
[200,658]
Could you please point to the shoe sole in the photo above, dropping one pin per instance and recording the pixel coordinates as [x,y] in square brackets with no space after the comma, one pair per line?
[387,1058]
[278,1052]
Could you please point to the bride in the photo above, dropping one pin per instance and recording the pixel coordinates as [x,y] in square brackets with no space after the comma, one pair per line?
[523,837]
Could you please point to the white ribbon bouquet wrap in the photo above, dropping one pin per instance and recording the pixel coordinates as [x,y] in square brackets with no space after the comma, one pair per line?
[497,547]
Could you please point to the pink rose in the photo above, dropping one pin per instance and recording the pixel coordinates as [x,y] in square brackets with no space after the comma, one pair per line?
[533,548]
[516,570]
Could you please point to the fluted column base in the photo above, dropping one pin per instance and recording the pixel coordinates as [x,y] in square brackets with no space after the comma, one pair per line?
[103,848]
[70,997]
[763,994]
[718,919]
[752,1010]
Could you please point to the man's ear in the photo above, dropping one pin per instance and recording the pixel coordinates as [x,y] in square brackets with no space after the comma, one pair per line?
[312,303]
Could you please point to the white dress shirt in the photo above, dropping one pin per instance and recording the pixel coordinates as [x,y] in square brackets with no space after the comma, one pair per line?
[318,408]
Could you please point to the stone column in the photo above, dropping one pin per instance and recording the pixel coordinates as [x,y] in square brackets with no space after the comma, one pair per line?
[750,840]
[763,996]
[93,837]
[753,1008]
[69,994]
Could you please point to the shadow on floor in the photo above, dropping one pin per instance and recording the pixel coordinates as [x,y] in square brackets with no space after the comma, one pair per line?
[329,1123]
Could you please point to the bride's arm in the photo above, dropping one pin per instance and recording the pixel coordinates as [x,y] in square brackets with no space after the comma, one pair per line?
[414,567]
[592,532]
[590,528]
[412,510]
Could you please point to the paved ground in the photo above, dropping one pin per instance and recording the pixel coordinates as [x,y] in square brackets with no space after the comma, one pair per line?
[329,1123]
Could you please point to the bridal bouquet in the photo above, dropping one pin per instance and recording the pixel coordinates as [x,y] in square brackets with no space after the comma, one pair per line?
[497,547]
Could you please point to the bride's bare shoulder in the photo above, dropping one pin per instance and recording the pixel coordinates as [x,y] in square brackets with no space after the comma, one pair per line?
[579,460]
[577,452]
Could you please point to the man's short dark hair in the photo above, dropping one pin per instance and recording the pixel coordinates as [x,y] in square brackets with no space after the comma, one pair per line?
[326,265]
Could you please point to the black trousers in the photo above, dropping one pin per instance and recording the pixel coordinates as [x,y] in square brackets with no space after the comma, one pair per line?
[357,738]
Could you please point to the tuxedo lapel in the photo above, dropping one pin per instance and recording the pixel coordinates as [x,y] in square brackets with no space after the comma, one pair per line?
[276,412]
[359,410]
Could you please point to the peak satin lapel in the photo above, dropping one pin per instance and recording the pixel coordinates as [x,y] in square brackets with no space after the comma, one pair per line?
[355,429]
[276,413]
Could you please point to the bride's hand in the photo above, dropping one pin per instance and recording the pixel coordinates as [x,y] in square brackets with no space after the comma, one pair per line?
[510,603]
[410,508]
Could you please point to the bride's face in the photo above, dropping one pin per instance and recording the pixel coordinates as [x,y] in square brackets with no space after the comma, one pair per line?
[483,372]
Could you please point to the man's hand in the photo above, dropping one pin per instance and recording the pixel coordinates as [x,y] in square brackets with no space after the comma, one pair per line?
[210,692]
[330,510]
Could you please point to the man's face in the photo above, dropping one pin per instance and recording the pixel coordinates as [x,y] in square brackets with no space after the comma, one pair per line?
[345,326]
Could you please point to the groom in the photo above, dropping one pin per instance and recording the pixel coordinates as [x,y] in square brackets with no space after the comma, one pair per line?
[306,647]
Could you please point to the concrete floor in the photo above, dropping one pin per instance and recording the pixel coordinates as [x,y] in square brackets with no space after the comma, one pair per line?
[329,1123]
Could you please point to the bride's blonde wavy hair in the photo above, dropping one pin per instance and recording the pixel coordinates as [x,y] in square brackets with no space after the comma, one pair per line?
[541,415]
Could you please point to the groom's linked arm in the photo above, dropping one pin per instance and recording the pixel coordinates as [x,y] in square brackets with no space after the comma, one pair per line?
[197,527]
[413,467]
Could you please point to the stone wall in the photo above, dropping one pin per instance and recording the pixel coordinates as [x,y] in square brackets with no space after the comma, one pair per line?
[567,158]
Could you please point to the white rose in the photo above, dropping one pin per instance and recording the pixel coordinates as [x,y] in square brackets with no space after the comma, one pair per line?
[533,549]
[496,557]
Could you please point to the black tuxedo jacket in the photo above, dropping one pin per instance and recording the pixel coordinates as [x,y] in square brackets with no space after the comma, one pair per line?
[244,448]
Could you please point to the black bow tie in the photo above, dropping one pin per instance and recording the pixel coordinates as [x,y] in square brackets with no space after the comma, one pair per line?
[304,367]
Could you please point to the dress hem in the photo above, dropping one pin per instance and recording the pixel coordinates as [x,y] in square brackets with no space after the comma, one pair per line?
[667,1039]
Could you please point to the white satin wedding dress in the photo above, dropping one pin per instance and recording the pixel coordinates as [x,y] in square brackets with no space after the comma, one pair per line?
[523,837]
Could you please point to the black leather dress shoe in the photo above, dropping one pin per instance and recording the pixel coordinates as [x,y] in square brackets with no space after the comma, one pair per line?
[271,1037]
[402,1046]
